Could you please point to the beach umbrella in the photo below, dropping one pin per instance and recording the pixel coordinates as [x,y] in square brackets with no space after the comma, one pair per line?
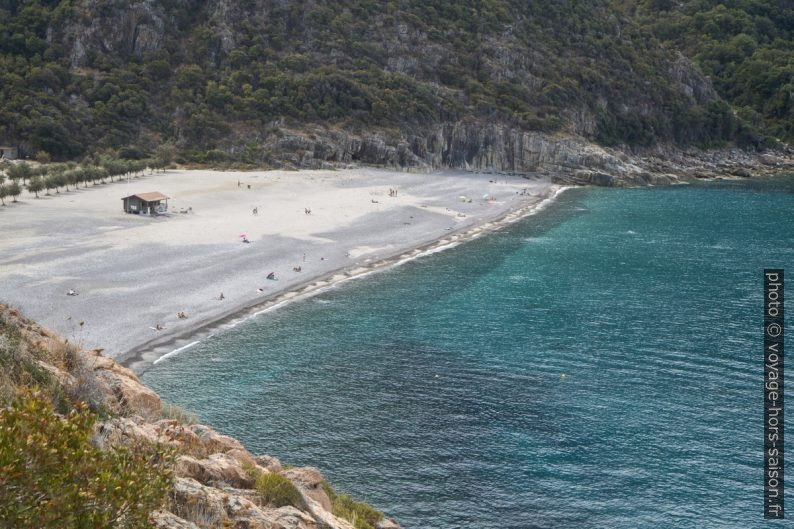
[242,235]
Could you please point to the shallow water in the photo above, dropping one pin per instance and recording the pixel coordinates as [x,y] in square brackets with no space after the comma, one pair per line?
[435,390]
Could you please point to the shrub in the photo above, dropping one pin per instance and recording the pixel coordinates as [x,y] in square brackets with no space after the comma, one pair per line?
[361,515]
[53,477]
[277,491]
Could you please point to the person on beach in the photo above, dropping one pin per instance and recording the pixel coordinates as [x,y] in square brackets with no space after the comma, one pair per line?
[256,212]
[272,276]
[221,297]
[71,293]
[260,290]
[159,327]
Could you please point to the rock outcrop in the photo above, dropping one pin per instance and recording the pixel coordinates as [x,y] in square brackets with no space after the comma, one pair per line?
[477,146]
[214,484]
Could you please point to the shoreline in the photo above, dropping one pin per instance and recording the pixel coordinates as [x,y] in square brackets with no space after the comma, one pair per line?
[145,355]
[145,286]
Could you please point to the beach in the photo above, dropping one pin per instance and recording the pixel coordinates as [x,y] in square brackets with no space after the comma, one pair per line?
[133,274]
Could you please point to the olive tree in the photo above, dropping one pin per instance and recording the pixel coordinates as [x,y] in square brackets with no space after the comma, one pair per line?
[21,171]
[35,185]
[14,190]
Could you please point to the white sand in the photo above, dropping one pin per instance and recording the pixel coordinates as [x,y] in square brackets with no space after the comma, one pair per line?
[133,272]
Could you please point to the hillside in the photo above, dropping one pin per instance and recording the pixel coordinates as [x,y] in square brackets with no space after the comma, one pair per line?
[84,444]
[744,46]
[401,83]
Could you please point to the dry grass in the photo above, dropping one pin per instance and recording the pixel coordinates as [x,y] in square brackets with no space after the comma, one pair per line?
[195,511]
[177,413]
[19,367]
[361,515]
[25,352]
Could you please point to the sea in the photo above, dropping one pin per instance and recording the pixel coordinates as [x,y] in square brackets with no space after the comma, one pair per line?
[596,365]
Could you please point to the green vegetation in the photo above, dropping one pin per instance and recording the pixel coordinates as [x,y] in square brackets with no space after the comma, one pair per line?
[51,476]
[215,81]
[94,169]
[361,515]
[277,491]
[745,46]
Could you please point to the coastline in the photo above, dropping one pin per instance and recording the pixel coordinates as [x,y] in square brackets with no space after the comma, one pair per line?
[146,286]
[156,350]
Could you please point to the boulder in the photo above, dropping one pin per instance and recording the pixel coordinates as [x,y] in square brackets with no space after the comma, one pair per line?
[126,393]
[211,507]
[194,502]
[270,463]
[309,481]
[387,523]
[215,469]
[168,520]
[122,431]
[215,442]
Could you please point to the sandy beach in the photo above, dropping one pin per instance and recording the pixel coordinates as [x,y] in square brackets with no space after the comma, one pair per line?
[133,273]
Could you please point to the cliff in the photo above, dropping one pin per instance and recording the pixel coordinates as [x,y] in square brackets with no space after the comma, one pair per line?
[216,482]
[503,84]
[487,147]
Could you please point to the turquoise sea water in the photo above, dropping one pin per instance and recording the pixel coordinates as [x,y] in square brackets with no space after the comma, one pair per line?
[434,390]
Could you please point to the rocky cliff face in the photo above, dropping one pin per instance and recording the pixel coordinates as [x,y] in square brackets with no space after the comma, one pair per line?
[214,473]
[478,146]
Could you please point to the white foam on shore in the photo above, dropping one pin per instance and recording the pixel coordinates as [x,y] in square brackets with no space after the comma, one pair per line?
[176,351]
[320,286]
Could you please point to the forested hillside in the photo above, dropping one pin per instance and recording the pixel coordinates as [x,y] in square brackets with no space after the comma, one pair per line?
[746,47]
[220,80]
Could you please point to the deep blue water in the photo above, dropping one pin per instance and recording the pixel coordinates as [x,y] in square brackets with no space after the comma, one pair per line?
[648,300]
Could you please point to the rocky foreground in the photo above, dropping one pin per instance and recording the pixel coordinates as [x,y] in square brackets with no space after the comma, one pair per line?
[214,475]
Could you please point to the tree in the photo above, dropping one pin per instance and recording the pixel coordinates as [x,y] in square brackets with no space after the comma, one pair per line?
[74,177]
[114,167]
[20,171]
[50,182]
[164,156]
[35,185]
[14,190]
[61,181]
[3,194]
[53,476]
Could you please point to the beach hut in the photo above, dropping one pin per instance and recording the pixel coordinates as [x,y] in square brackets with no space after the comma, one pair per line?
[152,203]
[8,153]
